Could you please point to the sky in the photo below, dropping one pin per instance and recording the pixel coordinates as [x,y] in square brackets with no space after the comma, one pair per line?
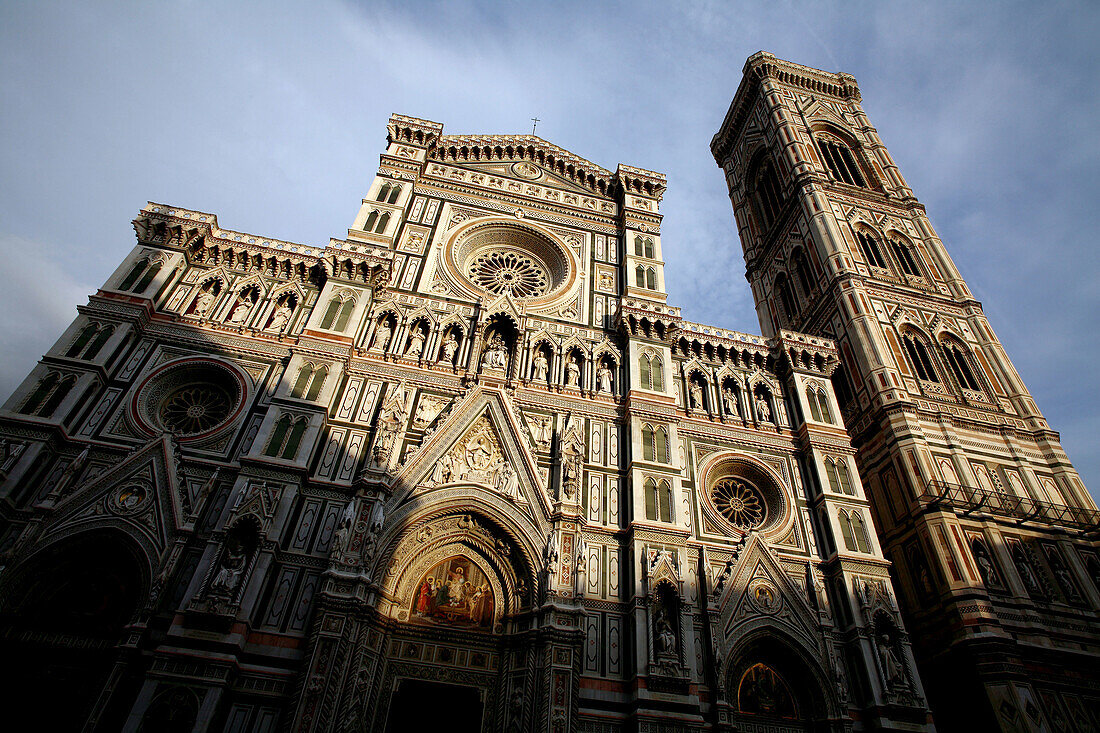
[272,116]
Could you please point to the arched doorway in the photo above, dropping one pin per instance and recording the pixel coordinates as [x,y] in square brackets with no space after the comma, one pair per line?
[61,618]
[771,685]
[456,640]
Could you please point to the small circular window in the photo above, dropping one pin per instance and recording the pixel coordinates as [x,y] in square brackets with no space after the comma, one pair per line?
[191,398]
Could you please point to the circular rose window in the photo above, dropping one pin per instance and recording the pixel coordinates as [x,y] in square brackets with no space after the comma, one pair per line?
[504,257]
[739,502]
[190,398]
[744,496]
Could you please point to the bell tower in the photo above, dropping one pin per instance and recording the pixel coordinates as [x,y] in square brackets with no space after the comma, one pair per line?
[992,535]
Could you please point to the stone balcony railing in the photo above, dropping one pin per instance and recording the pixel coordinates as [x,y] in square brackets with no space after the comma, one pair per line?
[967,500]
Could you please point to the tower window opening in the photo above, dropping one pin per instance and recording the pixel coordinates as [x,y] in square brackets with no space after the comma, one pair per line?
[838,159]
[869,247]
[905,258]
[921,360]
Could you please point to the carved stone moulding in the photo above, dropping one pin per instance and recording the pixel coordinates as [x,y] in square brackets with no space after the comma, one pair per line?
[195,398]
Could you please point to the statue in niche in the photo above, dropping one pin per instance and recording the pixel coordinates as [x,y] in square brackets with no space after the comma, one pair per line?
[496,353]
[730,402]
[280,318]
[416,345]
[382,336]
[240,310]
[229,572]
[603,379]
[696,394]
[540,367]
[204,302]
[448,350]
[377,517]
[891,667]
[1026,573]
[763,410]
[571,458]
[572,374]
[550,555]
[664,623]
[388,428]
[985,565]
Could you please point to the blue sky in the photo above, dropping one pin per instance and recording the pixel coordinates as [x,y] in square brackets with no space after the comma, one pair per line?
[272,115]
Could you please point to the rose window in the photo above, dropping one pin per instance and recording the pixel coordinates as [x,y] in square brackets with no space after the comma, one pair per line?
[194,409]
[514,258]
[509,272]
[191,398]
[739,502]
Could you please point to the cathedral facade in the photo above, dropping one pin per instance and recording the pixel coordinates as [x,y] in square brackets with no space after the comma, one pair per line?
[467,468]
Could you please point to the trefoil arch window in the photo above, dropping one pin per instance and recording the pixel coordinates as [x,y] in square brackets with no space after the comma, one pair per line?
[767,193]
[786,300]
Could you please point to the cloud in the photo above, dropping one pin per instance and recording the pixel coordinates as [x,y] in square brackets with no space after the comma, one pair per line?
[273,116]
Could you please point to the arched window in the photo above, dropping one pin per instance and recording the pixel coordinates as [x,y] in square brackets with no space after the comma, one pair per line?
[766,192]
[815,409]
[345,314]
[82,339]
[639,276]
[331,312]
[823,403]
[786,300]
[905,257]
[658,500]
[98,342]
[831,473]
[802,271]
[660,439]
[286,437]
[648,241]
[648,452]
[664,495]
[383,222]
[41,392]
[309,382]
[869,247]
[918,355]
[48,395]
[842,475]
[859,529]
[960,365]
[846,530]
[838,159]
[645,374]
[657,371]
[140,276]
[639,249]
[383,192]
[651,278]
[372,219]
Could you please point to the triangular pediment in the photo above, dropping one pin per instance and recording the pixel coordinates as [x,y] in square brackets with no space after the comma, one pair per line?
[143,491]
[760,589]
[480,442]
